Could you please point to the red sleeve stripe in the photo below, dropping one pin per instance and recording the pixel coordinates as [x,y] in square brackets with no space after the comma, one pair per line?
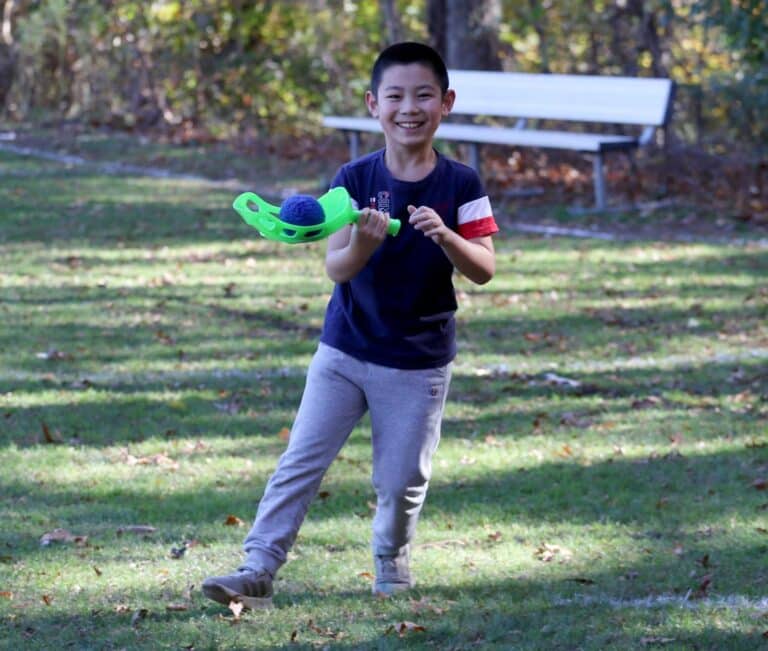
[478,228]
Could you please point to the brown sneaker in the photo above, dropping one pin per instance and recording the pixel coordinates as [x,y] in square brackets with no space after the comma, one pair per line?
[252,588]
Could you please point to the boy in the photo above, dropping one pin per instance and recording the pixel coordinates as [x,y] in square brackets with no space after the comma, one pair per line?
[389,334]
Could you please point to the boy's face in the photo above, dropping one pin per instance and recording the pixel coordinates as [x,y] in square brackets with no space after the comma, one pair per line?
[409,105]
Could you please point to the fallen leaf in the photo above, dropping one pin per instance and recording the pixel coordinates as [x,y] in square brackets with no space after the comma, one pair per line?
[760,484]
[47,599]
[233,521]
[403,628]
[97,570]
[703,587]
[6,594]
[62,536]
[366,575]
[236,607]
[325,632]
[284,434]
[50,437]
[547,553]
[582,580]
[676,438]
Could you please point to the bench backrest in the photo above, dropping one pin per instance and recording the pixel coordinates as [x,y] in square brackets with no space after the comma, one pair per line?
[583,98]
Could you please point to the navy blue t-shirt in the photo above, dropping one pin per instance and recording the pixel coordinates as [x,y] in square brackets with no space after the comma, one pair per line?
[398,311]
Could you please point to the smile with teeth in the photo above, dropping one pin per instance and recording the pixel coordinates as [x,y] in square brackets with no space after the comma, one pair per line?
[409,125]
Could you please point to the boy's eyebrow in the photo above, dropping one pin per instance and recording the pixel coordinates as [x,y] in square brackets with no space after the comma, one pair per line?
[419,87]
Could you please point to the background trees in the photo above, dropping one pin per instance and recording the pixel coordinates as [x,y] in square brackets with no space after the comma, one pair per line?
[229,67]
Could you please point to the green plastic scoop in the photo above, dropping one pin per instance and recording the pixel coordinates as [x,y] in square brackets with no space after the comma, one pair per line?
[265,217]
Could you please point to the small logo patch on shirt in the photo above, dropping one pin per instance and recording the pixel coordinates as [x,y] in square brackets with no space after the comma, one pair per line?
[383,201]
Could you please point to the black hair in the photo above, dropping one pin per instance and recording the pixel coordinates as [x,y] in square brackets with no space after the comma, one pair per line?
[404,54]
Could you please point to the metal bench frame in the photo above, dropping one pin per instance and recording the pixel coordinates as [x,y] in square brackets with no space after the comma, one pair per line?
[584,101]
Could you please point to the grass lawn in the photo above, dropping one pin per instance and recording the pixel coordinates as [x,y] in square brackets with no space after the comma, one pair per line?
[601,482]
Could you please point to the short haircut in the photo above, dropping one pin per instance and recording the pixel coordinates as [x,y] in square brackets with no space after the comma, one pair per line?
[404,54]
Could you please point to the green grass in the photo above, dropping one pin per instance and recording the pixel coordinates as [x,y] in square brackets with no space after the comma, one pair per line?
[599,485]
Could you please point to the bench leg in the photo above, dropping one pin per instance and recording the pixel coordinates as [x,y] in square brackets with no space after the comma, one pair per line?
[599,181]
[474,156]
[354,145]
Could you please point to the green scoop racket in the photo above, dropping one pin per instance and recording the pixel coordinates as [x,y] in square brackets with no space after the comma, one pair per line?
[337,209]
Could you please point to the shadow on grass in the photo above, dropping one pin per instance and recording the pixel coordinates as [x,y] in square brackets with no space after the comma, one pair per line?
[246,402]
[119,408]
[661,496]
[531,613]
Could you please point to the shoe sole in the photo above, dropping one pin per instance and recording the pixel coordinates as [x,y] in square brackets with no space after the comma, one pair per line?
[225,596]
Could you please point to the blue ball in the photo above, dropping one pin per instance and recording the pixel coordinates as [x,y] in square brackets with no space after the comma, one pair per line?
[302,210]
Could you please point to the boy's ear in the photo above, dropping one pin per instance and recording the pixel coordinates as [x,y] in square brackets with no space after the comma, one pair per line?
[371,103]
[448,99]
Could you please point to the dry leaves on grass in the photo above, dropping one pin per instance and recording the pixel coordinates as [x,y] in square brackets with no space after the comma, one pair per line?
[325,632]
[62,536]
[404,628]
[161,460]
[547,553]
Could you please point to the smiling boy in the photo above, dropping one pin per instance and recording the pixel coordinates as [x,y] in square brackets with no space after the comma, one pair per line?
[388,339]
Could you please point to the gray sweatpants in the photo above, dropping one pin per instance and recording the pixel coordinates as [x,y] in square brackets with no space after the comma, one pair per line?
[406,408]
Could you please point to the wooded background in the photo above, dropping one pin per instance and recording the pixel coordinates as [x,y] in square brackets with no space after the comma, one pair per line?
[249,69]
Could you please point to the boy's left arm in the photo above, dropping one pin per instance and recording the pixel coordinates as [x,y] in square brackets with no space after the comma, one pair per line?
[474,258]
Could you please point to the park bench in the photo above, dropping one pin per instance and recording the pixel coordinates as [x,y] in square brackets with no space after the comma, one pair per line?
[589,114]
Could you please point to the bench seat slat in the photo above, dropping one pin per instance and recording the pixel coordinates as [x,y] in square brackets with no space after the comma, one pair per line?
[586,142]
[582,98]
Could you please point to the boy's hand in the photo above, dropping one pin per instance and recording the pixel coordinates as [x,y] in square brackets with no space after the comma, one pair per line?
[371,228]
[427,221]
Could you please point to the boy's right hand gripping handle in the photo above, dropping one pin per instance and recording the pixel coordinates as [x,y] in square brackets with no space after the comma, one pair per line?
[337,206]
[393,226]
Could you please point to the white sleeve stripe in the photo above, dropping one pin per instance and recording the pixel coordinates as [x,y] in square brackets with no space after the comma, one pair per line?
[477,209]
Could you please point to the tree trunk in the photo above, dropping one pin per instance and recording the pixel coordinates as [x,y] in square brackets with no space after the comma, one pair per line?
[8,53]
[392,25]
[466,32]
